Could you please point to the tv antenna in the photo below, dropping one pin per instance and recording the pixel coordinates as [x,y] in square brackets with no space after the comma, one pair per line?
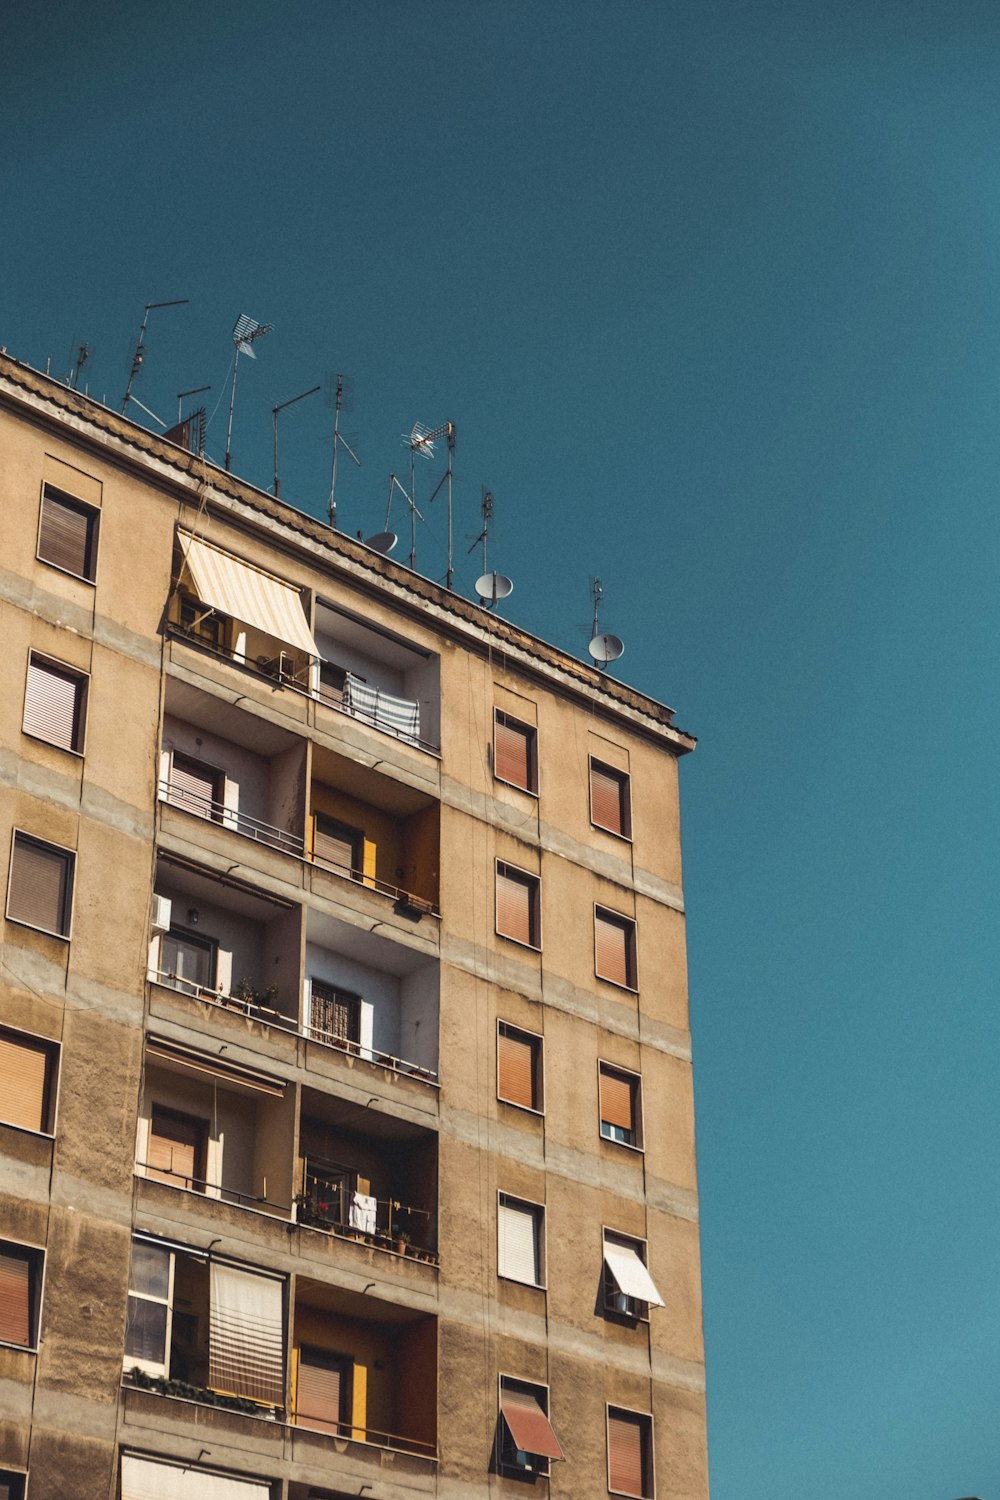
[603,649]
[386,540]
[83,354]
[335,398]
[421,440]
[139,353]
[275,412]
[245,334]
[197,390]
[490,587]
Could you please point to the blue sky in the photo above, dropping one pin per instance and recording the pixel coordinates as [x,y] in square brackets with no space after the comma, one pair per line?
[710,291]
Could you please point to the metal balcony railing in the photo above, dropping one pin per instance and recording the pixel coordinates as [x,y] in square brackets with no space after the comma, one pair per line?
[230,817]
[405,900]
[153,1172]
[351,1432]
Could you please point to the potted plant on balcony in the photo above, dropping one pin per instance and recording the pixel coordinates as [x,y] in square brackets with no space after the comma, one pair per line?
[247,993]
[402,1242]
[312,1213]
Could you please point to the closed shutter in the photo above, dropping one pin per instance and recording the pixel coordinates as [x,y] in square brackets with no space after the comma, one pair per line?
[51,704]
[515,899]
[607,797]
[516,1065]
[612,939]
[512,752]
[193,785]
[39,885]
[23,1077]
[147,1479]
[175,1148]
[15,1298]
[64,535]
[246,1342]
[335,1016]
[320,1392]
[518,1242]
[336,845]
[617,1099]
[626,1469]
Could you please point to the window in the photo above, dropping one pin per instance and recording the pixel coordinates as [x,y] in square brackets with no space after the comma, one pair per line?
[514,756]
[156,1479]
[178,1145]
[526,1440]
[610,801]
[518,905]
[203,623]
[519,1241]
[55,703]
[334,1015]
[519,1067]
[629,1290]
[40,890]
[67,534]
[27,1073]
[20,1283]
[619,1100]
[614,948]
[339,845]
[332,680]
[324,1390]
[630,1453]
[188,960]
[11,1485]
[195,786]
[150,1308]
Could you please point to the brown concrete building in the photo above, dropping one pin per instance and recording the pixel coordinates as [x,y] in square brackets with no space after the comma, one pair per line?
[346,1121]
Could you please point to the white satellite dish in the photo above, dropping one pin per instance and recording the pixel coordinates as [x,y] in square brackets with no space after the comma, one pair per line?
[383,541]
[492,587]
[605,648]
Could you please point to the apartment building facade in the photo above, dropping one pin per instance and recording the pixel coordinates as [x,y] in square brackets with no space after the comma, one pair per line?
[346,1115]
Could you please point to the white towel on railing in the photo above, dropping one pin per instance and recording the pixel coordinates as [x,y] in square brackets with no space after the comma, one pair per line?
[396,714]
[363,1213]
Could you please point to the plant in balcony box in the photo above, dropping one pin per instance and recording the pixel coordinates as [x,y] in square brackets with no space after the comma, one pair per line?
[311,1212]
[248,994]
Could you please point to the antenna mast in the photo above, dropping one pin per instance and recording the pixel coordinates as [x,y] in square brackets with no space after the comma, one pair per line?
[338,438]
[421,441]
[487,508]
[602,649]
[275,412]
[140,347]
[245,333]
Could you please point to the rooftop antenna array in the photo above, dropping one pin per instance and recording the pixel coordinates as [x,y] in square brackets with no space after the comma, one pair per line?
[245,334]
[335,398]
[275,413]
[82,355]
[603,649]
[139,353]
[421,440]
[491,587]
[198,390]
[386,540]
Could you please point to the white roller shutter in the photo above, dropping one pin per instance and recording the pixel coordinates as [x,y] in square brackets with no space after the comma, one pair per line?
[518,1257]
[147,1479]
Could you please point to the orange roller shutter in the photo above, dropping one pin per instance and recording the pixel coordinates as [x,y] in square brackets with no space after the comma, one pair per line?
[516,1055]
[336,846]
[606,798]
[625,1456]
[529,1426]
[611,942]
[320,1393]
[15,1298]
[512,752]
[23,1078]
[174,1148]
[63,536]
[617,1100]
[514,901]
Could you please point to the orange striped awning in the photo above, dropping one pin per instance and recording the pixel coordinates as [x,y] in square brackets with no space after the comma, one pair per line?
[248,594]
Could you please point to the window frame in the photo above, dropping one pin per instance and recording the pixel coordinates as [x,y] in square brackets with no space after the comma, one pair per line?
[7,1475]
[51,1087]
[510,721]
[148,1366]
[537,1044]
[541,1256]
[540,1390]
[337,995]
[82,679]
[624,779]
[35,1257]
[356,840]
[534,882]
[202,1130]
[206,944]
[175,796]
[646,1428]
[319,1357]
[92,513]
[69,858]
[628,924]
[633,1242]
[635,1083]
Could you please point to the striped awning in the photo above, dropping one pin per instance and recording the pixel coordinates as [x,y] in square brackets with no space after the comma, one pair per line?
[148,1479]
[630,1273]
[245,593]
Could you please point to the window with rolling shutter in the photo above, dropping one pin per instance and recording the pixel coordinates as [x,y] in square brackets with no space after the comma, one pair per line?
[630,1468]
[619,1104]
[11,1485]
[323,1390]
[614,947]
[40,888]
[339,845]
[177,1148]
[514,758]
[196,787]
[519,1240]
[609,799]
[67,534]
[26,1068]
[519,1056]
[527,1441]
[54,703]
[517,905]
[19,1268]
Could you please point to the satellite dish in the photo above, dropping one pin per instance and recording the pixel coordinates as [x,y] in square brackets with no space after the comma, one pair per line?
[605,648]
[383,541]
[492,587]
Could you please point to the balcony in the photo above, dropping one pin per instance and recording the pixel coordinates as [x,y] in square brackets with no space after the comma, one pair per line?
[375,832]
[364,1371]
[367,1176]
[215,1129]
[377,677]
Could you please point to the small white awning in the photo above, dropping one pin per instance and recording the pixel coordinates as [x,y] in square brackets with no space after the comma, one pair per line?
[247,594]
[630,1273]
[146,1479]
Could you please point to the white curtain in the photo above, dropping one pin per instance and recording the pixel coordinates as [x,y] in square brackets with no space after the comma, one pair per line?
[246,1339]
[145,1479]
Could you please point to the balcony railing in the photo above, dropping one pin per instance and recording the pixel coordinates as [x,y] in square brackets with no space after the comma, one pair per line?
[230,817]
[218,1194]
[268,1016]
[275,677]
[406,901]
[351,1432]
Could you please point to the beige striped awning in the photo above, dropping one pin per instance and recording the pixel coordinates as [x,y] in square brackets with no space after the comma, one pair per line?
[247,594]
